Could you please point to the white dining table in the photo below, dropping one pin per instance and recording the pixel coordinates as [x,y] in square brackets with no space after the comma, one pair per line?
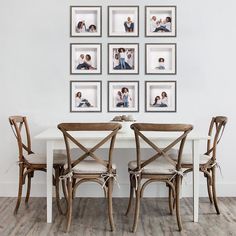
[54,141]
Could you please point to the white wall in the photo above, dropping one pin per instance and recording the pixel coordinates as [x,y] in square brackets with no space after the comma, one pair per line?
[34,75]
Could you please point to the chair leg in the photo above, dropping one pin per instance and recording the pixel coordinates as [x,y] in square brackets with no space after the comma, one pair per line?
[28,188]
[178,203]
[209,189]
[137,207]
[21,171]
[130,196]
[110,208]
[214,190]
[170,200]
[69,205]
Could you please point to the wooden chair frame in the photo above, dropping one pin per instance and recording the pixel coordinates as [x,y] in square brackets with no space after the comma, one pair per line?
[75,179]
[217,124]
[172,180]
[27,169]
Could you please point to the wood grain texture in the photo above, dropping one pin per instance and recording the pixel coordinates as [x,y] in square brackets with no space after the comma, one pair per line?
[90,218]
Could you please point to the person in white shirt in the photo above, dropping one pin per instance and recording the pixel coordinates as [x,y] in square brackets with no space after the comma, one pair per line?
[119,99]
[130,60]
[81,27]
[161,65]
[116,60]
[81,102]
[153,24]
[164,26]
[122,58]
[164,99]
[157,101]
[129,25]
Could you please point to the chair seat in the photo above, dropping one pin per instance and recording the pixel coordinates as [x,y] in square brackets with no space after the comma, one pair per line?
[91,166]
[33,158]
[159,166]
[187,157]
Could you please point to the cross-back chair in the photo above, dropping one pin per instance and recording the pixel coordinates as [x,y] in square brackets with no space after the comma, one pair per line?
[159,167]
[29,162]
[89,166]
[207,161]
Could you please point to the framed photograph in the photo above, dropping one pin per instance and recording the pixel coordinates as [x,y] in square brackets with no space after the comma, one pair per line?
[85,21]
[85,96]
[85,58]
[123,58]
[160,96]
[123,21]
[160,21]
[123,96]
[160,58]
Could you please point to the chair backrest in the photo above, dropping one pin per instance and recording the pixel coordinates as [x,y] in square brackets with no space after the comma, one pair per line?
[66,129]
[181,129]
[216,130]
[19,123]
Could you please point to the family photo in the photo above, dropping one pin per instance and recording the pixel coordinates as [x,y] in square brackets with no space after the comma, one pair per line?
[85,58]
[160,21]
[85,21]
[85,96]
[123,96]
[160,100]
[123,21]
[160,96]
[123,58]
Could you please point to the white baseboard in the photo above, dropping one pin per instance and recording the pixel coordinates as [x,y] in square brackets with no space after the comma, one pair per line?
[94,190]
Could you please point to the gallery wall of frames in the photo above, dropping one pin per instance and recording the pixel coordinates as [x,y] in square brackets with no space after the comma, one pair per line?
[86,59]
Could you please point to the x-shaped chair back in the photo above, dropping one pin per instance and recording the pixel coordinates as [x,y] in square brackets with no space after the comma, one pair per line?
[68,127]
[139,128]
[17,124]
[216,128]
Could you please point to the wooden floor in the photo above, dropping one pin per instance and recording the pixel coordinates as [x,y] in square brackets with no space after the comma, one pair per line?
[89,218]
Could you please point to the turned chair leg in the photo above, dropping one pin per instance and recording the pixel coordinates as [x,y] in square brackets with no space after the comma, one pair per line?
[131,195]
[137,207]
[179,221]
[110,208]
[171,201]
[28,187]
[69,205]
[209,189]
[21,171]
[214,190]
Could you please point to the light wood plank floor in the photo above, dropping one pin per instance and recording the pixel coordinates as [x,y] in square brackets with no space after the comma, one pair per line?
[89,218]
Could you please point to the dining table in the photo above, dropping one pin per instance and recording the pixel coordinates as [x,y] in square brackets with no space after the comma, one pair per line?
[54,140]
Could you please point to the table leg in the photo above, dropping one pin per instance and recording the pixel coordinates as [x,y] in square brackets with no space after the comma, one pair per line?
[195,153]
[49,180]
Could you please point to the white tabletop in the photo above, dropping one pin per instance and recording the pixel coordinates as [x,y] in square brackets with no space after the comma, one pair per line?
[56,134]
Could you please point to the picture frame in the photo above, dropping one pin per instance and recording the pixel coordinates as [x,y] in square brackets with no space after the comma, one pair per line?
[123,58]
[85,96]
[160,21]
[85,21]
[123,21]
[85,58]
[160,96]
[161,58]
[123,96]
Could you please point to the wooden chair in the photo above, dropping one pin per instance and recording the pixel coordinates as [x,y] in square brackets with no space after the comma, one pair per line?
[97,169]
[159,167]
[208,159]
[29,162]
